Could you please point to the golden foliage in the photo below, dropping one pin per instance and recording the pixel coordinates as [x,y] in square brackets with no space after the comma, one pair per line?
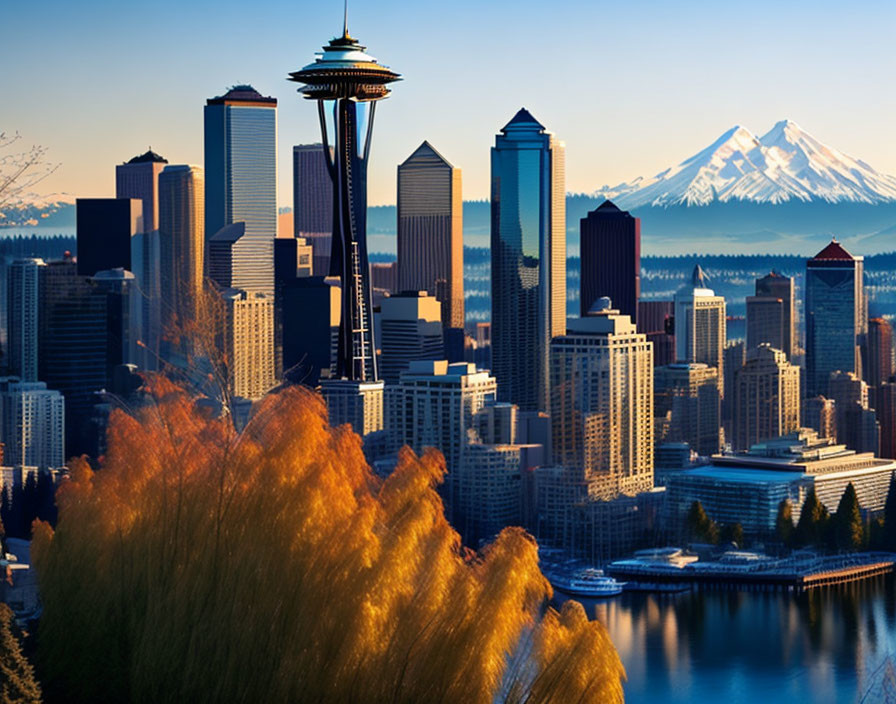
[17,683]
[271,565]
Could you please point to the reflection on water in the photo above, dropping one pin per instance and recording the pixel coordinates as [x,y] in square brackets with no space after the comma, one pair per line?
[827,645]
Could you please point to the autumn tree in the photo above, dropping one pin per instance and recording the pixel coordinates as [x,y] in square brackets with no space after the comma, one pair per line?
[732,533]
[812,527]
[17,683]
[272,565]
[21,168]
[784,523]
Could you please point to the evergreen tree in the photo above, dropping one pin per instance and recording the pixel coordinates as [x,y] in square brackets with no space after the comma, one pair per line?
[811,528]
[889,526]
[784,523]
[699,525]
[848,528]
[17,683]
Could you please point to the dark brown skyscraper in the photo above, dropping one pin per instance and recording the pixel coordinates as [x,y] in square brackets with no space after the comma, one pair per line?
[312,203]
[430,231]
[878,362]
[611,259]
[655,320]
[770,314]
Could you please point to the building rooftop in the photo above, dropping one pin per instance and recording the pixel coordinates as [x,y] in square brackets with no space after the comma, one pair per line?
[243,93]
[148,157]
[523,120]
[230,233]
[428,152]
[833,251]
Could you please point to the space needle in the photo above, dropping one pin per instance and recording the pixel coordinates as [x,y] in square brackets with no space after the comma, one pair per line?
[347,82]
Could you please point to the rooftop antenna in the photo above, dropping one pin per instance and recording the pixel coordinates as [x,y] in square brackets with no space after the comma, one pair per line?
[345,20]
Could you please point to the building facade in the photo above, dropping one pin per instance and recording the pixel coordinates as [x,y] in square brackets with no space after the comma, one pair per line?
[687,406]
[22,312]
[32,424]
[610,244]
[700,324]
[241,180]
[312,203]
[528,252]
[836,315]
[430,232]
[766,397]
[771,314]
[411,330]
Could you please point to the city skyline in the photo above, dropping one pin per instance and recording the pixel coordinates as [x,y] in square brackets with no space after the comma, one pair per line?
[608,142]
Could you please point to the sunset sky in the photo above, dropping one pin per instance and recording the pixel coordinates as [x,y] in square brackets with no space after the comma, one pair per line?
[631,87]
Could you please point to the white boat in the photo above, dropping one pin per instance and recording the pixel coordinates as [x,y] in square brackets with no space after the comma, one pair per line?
[587,582]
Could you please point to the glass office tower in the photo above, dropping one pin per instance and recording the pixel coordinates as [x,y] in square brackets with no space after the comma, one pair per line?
[836,316]
[528,258]
[241,180]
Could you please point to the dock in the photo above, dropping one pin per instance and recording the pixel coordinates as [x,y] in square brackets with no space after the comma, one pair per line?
[771,575]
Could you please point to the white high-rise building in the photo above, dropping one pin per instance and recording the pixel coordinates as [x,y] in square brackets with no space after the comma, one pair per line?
[700,330]
[602,402]
[32,424]
[22,305]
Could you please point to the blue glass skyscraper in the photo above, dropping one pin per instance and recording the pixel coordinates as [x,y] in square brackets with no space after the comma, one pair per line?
[528,258]
[836,315]
[241,181]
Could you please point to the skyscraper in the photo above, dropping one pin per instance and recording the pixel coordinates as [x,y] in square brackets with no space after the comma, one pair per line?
[32,424]
[836,315]
[182,234]
[22,311]
[770,314]
[700,324]
[241,180]
[346,82]
[411,329]
[611,259]
[686,404]
[430,233]
[602,403]
[310,327]
[528,252]
[106,228]
[249,343]
[312,202]
[656,320]
[139,178]
[850,396]
[767,397]
[734,356]
[877,363]
[819,414]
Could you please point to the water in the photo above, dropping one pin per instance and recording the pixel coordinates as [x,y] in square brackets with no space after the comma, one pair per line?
[827,645]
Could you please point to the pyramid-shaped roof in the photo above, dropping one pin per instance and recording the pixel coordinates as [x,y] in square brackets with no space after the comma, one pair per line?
[148,157]
[241,94]
[523,120]
[834,251]
[608,206]
[427,152]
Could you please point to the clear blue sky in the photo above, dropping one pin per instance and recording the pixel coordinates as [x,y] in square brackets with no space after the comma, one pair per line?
[631,86]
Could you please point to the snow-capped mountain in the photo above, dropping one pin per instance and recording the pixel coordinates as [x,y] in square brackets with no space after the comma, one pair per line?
[785,164]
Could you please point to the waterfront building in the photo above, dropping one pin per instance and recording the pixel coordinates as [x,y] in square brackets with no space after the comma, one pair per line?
[748,487]
[820,414]
[656,320]
[241,181]
[602,402]
[347,83]
[686,399]
[528,255]
[181,218]
[430,234]
[311,310]
[32,424]
[771,314]
[767,397]
[700,324]
[22,312]
[610,244]
[312,203]
[836,315]
[411,329]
